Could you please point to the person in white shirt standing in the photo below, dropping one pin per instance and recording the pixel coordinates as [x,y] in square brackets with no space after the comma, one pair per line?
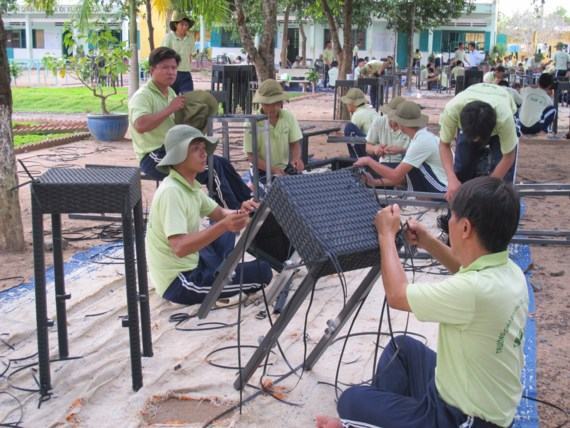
[473,58]
[561,61]
[537,110]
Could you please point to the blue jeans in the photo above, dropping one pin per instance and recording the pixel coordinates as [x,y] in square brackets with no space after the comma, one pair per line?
[229,189]
[403,393]
[191,287]
[472,160]
[355,150]
[183,82]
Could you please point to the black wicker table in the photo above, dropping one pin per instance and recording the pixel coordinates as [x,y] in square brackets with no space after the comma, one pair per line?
[90,190]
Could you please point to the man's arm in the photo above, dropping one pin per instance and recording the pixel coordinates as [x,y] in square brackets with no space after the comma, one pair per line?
[262,165]
[504,164]
[394,175]
[387,223]
[419,236]
[453,182]
[148,122]
[296,160]
[189,243]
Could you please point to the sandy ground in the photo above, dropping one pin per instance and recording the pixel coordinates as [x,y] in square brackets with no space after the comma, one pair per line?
[87,390]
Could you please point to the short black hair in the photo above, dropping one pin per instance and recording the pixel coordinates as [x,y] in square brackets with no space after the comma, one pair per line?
[546,81]
[478,119]
[334,64]
[493,208]
[500,69]
[162,53]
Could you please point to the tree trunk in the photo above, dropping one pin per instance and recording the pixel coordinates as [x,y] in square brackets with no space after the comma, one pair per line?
[11,230]
[134,61]
[285,38]
[303,45]
[411,32]
[345,66]
[264,57]
[338,48]
[149,24]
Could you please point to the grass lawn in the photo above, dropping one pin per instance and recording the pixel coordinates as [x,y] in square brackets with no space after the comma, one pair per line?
[24,140]
[65,100]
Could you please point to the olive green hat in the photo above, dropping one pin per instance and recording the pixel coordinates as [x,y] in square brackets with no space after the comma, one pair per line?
[409,114]
[177,17]
[200,105]
[392,105]
[354,97]
[176,143]
[270,92]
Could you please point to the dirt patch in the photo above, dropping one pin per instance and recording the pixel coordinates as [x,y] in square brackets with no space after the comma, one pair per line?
[182,410]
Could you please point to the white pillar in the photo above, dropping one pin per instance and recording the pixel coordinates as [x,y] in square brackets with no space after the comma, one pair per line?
[314,37]
[430,42]
[125,31]
[202,34]
[256,40]
[29,39]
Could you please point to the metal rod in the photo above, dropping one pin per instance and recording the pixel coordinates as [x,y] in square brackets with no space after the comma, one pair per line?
[267,155]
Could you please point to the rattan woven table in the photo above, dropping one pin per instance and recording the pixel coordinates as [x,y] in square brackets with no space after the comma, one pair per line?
[90,190]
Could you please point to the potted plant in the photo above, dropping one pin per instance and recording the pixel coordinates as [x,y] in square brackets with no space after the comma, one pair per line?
[313,77]
[99,69]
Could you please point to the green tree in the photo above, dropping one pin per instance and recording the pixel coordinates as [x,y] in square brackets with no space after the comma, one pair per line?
[417,15]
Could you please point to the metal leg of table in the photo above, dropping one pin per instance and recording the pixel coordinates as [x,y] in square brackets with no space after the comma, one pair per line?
[232,260]
[60,295]
[41,299]
[273,334]
[143,281]
[132,320]
[335,326]
[305,150]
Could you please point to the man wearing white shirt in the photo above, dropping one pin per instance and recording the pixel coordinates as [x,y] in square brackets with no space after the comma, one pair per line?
[561,61]
[537,110]
[473,58]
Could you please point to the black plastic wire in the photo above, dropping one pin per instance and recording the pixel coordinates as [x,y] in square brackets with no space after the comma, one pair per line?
[20,406]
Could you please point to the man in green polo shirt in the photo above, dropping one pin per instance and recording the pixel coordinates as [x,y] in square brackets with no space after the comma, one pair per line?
[183,260]
[284,132]
[182,41]
[361,118]
[474,379]
[481,120]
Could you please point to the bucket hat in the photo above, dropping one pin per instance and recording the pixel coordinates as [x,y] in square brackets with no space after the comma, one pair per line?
[392,105]
[354,97]
[409,114]
[200,105]
[270,92]
[177,17]
[176,143]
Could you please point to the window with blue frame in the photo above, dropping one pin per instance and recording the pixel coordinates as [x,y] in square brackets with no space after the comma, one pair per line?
[38,41]
[16,39]
[229,39]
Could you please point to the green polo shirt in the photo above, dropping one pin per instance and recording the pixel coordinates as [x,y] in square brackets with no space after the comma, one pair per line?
[363,117]
[285,132]
[498,98]
[177,208]
[381,133]
[148,100]
[482,311]
[184,47]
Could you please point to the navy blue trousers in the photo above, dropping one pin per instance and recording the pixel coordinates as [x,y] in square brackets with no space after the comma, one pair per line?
[403,393]
[472,160]
[183,82]
[191,287]
[355,150]
[229,189]
[546,119]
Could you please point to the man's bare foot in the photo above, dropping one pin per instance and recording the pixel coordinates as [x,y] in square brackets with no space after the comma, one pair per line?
[323,421]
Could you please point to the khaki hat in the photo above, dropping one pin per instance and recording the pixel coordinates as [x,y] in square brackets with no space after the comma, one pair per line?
[392,105]
[177,17]
[270,92]
[409,114]
[176,143]
[200,105]
[354,97]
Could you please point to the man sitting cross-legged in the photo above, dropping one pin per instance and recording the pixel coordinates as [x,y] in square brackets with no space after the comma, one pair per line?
[183,260]
[421,164]
[474,379]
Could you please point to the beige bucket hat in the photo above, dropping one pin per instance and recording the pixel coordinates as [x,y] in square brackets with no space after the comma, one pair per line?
[392,105]
[409,114]
[354,97]
[270,92]
[177,17]
[176,143]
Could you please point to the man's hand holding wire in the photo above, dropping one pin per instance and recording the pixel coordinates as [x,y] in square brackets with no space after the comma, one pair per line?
[387,221]
[249,206]
[416,234]
[363,161]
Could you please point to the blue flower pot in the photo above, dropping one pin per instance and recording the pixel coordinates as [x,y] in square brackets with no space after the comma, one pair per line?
[108,127]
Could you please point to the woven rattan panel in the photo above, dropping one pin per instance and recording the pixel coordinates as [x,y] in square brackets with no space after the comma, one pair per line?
[89,190]
[328,218]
